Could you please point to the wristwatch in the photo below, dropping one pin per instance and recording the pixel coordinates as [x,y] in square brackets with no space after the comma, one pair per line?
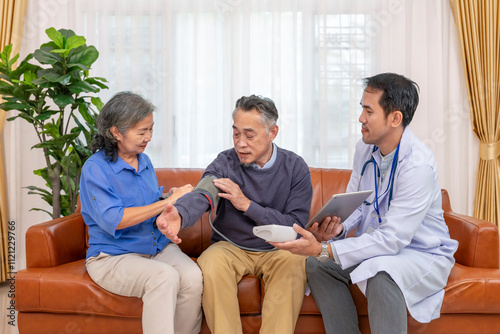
[323,256]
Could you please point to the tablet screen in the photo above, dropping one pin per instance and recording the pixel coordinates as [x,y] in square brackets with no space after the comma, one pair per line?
[340,205]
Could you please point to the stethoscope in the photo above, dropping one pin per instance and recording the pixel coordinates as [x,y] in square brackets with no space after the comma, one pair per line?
[376,176]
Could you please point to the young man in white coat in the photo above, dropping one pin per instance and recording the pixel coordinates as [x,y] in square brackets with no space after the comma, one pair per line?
[402,254]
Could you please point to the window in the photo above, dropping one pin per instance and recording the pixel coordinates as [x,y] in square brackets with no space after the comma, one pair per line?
[344,59]
[194,62]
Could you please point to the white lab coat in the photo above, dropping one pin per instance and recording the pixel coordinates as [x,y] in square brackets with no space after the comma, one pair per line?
[412,243]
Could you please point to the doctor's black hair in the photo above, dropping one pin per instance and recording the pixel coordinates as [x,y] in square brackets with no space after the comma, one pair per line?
[398,93]
[124,110]
[265,106]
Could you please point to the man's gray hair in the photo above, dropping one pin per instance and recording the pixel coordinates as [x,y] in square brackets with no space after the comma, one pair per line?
[263,105]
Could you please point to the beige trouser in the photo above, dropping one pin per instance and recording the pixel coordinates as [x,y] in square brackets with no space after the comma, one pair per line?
[223,265]
[169,283]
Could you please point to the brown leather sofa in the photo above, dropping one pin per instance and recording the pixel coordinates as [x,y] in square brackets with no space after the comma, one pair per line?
[56,295]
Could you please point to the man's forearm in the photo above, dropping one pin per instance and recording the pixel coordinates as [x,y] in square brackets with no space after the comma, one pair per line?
[191,207]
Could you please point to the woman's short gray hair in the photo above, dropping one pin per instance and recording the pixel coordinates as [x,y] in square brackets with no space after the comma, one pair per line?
[124,111]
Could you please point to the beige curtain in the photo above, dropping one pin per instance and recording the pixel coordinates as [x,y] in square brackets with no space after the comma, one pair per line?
[478,25]
[11,30]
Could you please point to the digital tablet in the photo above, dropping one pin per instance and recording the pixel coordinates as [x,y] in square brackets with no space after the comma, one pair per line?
[340,205]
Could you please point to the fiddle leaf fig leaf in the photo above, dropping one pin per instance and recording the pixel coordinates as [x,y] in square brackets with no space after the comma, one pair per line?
[63,100]
[62,52]
[56,36]
[56,77]
[74,42]
[66,33]
[81,87]
[51,45]
[24,67]
[43,117]
[46,57]
[82,55]
[97,102]
[85,114]
[71,43]
[29,76]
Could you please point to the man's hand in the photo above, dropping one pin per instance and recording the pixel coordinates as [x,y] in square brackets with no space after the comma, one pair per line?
[169,223]
[329,228]
[232,192]
[307,245]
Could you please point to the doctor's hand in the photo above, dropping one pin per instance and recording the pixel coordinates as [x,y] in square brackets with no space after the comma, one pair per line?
[169,223]
[329,228]
[307,245]
[232,192]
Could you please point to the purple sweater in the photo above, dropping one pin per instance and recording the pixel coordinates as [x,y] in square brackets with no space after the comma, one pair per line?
[279,195]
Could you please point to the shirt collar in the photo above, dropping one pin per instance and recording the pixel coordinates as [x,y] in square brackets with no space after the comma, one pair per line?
[407,142]
[271,161]
[118,165]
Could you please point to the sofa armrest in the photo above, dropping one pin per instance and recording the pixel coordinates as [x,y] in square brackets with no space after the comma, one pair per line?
[55,242]
[477,240]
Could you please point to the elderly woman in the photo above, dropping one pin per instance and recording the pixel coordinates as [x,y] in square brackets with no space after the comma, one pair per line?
[120,200]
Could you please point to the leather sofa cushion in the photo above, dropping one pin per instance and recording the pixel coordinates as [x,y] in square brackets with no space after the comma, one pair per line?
[472,290]
[69,289]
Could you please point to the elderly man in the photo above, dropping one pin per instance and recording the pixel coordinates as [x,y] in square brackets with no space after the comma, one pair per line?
[255,183]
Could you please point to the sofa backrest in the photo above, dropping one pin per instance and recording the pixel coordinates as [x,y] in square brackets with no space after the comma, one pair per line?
[475,237]
[48,245]
[329,181]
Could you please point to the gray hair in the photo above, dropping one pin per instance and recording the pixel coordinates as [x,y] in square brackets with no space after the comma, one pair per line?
[124,111]
[265,106]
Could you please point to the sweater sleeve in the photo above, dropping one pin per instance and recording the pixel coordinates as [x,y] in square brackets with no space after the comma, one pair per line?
[297,206]
[194,204]
[191,207]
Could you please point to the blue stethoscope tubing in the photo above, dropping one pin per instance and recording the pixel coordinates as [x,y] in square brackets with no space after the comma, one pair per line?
[376,175]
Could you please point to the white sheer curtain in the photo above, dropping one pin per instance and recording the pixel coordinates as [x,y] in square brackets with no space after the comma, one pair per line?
[194,59]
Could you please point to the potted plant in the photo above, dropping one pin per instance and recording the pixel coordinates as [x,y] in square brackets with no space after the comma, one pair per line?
[53,96]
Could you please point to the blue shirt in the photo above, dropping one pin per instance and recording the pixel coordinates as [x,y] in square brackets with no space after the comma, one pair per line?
[106,189]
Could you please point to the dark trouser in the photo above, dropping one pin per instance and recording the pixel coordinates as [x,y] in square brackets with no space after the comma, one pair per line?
[329,285]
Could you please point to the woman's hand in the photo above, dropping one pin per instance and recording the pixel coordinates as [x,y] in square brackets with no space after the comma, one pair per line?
[177,193]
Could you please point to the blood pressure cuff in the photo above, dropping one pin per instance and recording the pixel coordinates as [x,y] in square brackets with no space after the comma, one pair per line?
[206,187]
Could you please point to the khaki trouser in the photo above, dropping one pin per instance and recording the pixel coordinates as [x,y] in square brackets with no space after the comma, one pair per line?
[169,283]
[223,265]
